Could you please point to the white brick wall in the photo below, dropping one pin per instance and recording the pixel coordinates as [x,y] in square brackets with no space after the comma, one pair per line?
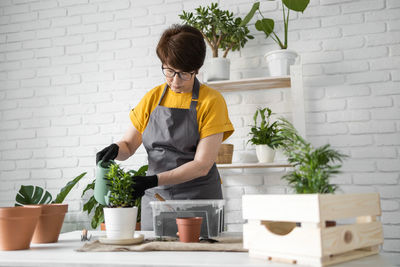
[70,71]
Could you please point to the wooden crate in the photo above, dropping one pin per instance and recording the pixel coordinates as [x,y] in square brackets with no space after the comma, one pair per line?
[292,228]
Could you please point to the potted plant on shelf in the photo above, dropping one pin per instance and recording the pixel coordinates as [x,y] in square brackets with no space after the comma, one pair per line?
[265,136]
[52,211]
[221,30]
[279,61]
[92,204]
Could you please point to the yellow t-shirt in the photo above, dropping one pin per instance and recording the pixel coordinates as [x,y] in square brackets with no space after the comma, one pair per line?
[212,112]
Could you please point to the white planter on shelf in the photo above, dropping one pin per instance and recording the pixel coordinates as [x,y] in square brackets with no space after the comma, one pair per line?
[217,69]
[120,222]
[279,61]
[265,154]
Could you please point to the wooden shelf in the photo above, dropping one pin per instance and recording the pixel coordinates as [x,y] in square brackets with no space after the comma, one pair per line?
[251,84]
[254,165]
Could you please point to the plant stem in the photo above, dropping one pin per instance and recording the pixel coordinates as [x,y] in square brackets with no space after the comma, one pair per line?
[286,23]
[227,50]
[209,43]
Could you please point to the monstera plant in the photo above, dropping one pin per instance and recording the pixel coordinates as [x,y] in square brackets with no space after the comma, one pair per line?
[50,221]
[30,194]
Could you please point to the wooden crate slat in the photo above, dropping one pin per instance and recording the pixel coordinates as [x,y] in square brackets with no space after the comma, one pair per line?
[257,236]
[349,205]
[291,208]
[271,233]
[335,240]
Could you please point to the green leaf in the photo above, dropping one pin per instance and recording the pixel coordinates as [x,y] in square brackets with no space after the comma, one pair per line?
[29,195]
[67,188]
[296,5]
[98,217]
[90,204]
[266,26]
[89,187]
[250,15]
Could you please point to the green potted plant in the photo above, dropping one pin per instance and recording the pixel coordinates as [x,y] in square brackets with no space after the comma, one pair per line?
[312,166]
[98,214]
[52,211]
[121,213]
[221,30]
[265,136]
[279,61]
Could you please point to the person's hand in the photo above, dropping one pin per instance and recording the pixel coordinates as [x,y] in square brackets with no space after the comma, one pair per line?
[142,183]
[108,153]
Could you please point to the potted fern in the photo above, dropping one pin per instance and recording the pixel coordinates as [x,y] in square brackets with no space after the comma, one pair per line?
[221,30]
[279,61]
[313,167]
[265,136]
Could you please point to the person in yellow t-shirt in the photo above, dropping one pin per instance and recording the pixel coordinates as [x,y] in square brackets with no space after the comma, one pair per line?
[181,124]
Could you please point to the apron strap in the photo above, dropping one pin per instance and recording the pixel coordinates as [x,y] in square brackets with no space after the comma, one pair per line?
[165,89]
[195,94]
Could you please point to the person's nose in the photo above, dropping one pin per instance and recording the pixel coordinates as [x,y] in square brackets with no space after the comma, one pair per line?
[176,78]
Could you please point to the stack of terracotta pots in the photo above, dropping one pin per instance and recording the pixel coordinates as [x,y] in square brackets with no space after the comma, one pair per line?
[19,226]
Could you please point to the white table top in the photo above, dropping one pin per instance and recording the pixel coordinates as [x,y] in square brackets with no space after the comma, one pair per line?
[63,253]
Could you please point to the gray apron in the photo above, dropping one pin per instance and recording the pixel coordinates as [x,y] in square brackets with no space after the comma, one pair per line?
[171,139]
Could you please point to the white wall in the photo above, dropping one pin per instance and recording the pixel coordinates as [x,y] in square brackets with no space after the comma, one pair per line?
[70,71]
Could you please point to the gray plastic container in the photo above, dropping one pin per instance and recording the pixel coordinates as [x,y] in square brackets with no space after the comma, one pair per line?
[166,212]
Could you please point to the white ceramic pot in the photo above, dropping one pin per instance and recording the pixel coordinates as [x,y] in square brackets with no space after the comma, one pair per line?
[217,69]
[120,222]
[279,61]
[265,154]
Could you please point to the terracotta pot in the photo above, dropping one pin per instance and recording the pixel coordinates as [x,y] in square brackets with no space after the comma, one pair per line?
[189,229]
[17,225]
[103,226]
[50,222]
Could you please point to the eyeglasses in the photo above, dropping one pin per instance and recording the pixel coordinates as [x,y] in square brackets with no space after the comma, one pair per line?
[170,73]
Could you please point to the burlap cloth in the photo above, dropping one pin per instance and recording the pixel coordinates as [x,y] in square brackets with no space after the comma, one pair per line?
[169,244]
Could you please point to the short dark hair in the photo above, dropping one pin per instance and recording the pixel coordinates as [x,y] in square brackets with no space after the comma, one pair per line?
[182,47]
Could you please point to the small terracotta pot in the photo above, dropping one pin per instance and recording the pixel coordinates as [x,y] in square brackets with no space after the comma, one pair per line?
[189,229]
[103,226]
[50,223]
[17,225]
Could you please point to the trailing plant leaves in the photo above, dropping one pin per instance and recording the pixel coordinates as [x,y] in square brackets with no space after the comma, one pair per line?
[296,5]
[67,188]
[29,194]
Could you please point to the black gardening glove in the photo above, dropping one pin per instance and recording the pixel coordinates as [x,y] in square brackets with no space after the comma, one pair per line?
[108,153]
[142,183]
